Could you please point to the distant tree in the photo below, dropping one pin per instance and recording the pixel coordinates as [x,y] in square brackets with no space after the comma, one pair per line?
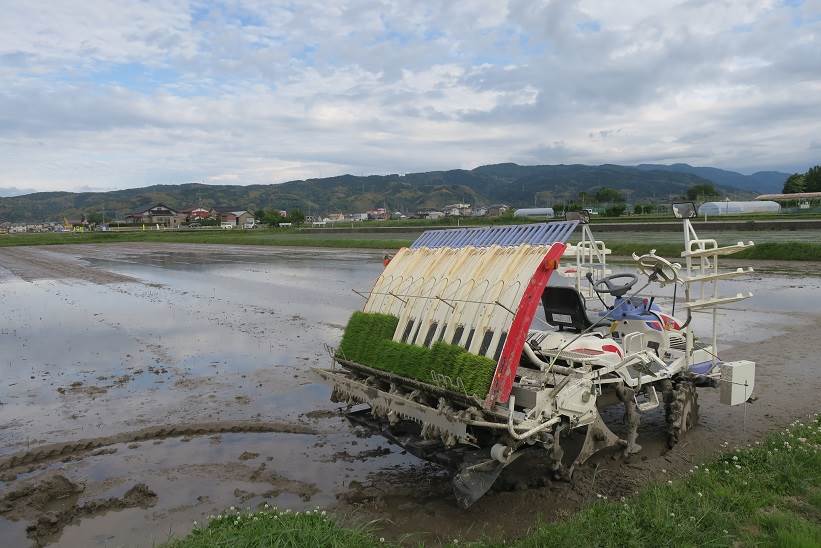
[705,190]
[259,215]
[794,183]
[296,217]
[812,179]
[583,196]
[95,217]
[608,195]
[616,210]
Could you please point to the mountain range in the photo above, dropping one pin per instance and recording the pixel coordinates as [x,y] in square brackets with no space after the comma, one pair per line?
[513,184]
[761,182]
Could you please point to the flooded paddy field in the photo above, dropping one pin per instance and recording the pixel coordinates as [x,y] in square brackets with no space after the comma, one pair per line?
[146,386]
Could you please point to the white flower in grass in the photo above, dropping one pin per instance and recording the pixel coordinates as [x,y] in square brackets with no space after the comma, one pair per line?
[735,457]
[266,506]
[669,482]
[324,512]
[195,523]
[738,466]
[725,531]
[672,515]
[663,471]
[232,508]
[381,539]
[699,494]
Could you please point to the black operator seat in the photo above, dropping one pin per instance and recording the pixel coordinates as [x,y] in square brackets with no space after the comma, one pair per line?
[565,308]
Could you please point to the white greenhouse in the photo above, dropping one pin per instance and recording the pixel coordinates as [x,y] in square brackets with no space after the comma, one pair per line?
[535,212]
[737,208]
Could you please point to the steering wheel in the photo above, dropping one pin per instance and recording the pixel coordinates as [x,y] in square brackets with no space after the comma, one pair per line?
[658,269]
[613,288]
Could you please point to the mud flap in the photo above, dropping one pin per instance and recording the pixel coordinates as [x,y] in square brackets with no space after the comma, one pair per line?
[598,437]
[475,478]
[472,482]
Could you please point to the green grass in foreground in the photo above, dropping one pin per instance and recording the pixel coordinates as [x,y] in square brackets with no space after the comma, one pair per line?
[782,251]
[768,494]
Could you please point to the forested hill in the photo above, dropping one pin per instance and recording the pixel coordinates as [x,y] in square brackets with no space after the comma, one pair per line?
[760,182]
[516,185]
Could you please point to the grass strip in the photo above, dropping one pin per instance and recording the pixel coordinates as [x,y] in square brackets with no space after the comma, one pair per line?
[368,340]
[780,251]
[227,237]
[767,494]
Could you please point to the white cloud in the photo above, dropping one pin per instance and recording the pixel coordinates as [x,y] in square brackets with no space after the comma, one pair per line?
[117,94]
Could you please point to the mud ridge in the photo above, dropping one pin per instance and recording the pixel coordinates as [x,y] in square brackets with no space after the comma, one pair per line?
[51,504]
[72,448]
[31,263]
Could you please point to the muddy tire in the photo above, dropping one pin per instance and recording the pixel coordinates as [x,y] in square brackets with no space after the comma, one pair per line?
[681,412]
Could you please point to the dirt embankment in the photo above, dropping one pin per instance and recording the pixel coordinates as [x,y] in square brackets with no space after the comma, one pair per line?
[41,264]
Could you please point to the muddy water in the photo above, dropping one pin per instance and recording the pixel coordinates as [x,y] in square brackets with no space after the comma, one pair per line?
[104,342]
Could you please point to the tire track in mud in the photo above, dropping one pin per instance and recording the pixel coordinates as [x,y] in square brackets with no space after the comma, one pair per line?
[73,448]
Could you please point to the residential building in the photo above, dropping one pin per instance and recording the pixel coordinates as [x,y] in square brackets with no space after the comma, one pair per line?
[238,217]
[160,214]
[431,214]
[497,210]
[378,214]
[196,214]
[458,210]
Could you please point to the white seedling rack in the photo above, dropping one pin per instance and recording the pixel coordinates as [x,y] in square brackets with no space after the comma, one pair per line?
[701,281]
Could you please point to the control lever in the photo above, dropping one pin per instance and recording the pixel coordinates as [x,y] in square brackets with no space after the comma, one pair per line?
[589,277]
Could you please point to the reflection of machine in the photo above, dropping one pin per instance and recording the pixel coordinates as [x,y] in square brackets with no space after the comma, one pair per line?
[450,368]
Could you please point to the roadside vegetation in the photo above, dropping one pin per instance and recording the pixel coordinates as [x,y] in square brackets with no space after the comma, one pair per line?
[765,494]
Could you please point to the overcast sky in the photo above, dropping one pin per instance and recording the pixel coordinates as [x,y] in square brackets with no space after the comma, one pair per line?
[112,94]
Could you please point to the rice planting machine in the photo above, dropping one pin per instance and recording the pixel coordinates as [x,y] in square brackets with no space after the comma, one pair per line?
[478,345]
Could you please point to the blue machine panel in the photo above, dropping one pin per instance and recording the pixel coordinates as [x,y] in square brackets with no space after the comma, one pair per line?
[507,236]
